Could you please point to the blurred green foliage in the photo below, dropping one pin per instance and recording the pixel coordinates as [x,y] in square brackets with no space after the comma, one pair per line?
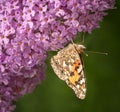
[102,72]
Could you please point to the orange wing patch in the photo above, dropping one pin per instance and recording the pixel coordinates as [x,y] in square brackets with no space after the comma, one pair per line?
[74,75]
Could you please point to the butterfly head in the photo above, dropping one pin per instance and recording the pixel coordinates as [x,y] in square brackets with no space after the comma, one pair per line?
[80,48]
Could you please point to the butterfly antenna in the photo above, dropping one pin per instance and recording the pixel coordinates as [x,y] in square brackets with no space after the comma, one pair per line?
[83,37]
[104,53]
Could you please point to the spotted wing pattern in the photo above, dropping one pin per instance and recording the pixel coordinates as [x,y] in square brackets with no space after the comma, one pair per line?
[68,66]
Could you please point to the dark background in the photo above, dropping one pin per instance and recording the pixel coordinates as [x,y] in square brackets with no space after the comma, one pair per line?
[102,72]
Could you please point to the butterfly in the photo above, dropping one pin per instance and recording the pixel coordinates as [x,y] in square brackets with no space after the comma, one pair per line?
[68,66]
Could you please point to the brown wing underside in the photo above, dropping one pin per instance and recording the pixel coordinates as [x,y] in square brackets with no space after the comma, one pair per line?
[68,65]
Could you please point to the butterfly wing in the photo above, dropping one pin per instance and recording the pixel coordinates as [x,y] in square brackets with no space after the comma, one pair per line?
[77,80]
[68,66]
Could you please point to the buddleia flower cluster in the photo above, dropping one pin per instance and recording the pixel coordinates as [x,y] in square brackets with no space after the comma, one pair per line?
[31,28]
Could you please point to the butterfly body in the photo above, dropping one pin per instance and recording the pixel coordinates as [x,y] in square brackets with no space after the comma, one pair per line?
[68,66]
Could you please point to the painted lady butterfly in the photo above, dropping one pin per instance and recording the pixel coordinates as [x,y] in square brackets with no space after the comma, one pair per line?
[68,66]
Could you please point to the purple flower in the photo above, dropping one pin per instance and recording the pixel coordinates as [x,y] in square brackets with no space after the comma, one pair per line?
[31,28]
